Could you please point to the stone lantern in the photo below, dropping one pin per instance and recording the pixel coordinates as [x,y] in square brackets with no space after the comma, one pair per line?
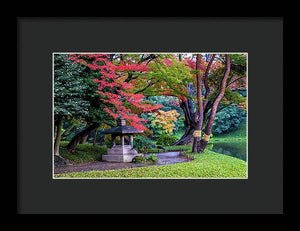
[123,152]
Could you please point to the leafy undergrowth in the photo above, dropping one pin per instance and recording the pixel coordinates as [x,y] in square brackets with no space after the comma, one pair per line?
[205,165]
[83,153]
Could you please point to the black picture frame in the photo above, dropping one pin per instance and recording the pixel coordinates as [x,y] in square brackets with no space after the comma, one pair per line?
[260,37]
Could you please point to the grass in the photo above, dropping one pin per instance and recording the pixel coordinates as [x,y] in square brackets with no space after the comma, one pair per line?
[206,165]
[239,134]
[83,153]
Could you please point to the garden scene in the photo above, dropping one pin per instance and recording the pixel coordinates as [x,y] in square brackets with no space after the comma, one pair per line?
[140,115]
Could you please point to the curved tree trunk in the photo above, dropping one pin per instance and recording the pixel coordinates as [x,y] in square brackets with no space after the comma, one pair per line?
[189,114]
[78,138]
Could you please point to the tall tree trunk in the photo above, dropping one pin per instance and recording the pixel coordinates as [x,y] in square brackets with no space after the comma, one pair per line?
[213,112]
[58,135]
[77,138]
[55,130]
[207,89]
[95,137]
[199,113]
[189,114]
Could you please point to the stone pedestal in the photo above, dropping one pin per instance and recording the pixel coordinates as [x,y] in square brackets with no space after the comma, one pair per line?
[120,153]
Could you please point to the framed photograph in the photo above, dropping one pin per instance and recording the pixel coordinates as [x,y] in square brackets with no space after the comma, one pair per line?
[138,115]
[127,114]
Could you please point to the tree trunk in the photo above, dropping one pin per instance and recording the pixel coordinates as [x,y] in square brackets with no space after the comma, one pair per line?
[84,139]
[55,130]
[77,138]
[199,114]
[95,137]
[189,114]
[207,89]
[213,112]
[58,135]
[68,131]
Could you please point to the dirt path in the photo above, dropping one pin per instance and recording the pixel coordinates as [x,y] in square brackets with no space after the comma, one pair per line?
[163,159]
[96,166]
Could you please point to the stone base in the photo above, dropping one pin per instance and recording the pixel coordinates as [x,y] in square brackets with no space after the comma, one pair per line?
[118,158]
[120,153]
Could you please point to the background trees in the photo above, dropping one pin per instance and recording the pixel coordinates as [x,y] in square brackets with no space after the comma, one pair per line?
[213,69]
[194,92]
[69,91]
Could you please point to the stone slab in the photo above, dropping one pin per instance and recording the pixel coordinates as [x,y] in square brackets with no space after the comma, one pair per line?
[119,150]
[118,158]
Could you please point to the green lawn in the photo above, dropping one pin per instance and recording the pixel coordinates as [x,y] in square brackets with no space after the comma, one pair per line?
[83,153]
[206,165]
[239,134]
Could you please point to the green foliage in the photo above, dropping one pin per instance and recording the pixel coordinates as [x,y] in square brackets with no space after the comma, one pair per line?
[96,111]
[166,140]
[239,64]
[108,141]
[139,159]
[206,165]
[69,88]
[240,133]
[166,76]
[152,159]
[227,120]
[169,103]
[83,153]
[232,97]
[142,144]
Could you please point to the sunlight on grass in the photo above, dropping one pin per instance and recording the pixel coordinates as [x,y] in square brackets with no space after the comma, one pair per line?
[205,165]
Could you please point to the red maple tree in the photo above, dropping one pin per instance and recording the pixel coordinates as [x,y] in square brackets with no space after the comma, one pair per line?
[115,87]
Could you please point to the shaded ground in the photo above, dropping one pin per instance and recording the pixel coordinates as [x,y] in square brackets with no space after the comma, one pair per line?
[163,159]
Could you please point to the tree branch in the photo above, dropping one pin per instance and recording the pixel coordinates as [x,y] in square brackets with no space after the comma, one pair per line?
[207,89]
[145,88]
[234,81]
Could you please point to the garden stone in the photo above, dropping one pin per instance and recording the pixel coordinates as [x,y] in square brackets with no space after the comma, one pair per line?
[59,161]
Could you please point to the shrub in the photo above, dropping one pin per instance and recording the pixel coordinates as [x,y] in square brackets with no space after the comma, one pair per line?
[142,144]
[227,120]
[139,159]
[152,158]
[166,140]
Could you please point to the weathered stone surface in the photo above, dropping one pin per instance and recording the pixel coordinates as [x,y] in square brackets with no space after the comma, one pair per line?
[119,153]
[119,150]
[59,161]
[118,158]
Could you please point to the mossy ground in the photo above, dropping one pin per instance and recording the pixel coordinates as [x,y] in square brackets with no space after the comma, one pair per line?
[83,153]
